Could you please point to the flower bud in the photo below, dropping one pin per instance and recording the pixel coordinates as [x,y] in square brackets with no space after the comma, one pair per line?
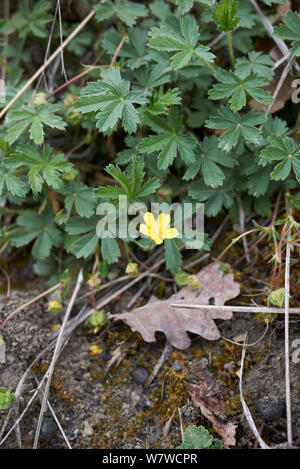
[40,99]
[54,307]
[276,297]
[132,269]
[193,282]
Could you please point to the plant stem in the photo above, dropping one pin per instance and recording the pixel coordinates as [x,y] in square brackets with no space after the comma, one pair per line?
[205,62]
[231,53]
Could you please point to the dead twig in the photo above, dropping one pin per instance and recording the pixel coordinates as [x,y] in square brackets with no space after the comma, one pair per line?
[286,343]
[270,30]
[246,410]
[279,84]
[168,348]
[28,304]
[239,309]
[54,358]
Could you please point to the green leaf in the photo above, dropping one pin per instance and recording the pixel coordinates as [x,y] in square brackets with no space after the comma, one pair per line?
[236,87]
[258,180]
[170,141]
[284,150]
[208,159]
[85,244]
[33,118]
[196,438]
[128,12]
[132,185]
[81,197]
[290,31]
[110,250]
[44,166]
[32,18]
[162,101]
[112,99]
[6,398]
[214,198]
[40,228]
[258,63]
[235,126]
[12,183]
[184,5]
[133,50]
[173,256]
[182,40]
[225,15]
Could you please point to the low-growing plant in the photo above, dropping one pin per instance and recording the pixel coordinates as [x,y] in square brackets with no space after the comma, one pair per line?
[171,110]
[198,438]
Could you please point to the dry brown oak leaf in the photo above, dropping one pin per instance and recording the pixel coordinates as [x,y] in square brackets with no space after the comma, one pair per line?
[159,315]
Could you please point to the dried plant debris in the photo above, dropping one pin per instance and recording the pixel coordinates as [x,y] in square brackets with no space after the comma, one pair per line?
[207,394]
[159,315]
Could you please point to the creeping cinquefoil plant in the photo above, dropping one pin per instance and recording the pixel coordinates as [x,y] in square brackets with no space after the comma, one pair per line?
[156,101]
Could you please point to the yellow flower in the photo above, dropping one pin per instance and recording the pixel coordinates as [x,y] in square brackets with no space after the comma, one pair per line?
[158,229]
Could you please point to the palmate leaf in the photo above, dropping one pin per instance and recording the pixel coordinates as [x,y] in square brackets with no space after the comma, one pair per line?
[181,39]
[255,63]
[237,88]
[32,18]
[134,51]
[162,101]
[40,228]
[258,176]
[196,438]
[43,167]
[112,99]
[12,183]
[128,12]
[283,149]
[79,196]
[215,198]
[33,118]
[235,126]
[152,77]
[208,159]
[170,140]
[244,12]
[132,185]
[290,31]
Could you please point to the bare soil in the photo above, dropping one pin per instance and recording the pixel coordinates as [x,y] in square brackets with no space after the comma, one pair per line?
[116,410]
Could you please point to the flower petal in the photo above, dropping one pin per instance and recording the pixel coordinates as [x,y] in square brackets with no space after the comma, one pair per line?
[156,239]
[149,219]
[145,229]
[170,233]
[163,222]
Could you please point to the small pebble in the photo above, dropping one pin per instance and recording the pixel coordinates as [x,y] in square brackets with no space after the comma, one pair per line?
[48,430]
[140,375]
[270,409]
[142,404]
[88,430]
